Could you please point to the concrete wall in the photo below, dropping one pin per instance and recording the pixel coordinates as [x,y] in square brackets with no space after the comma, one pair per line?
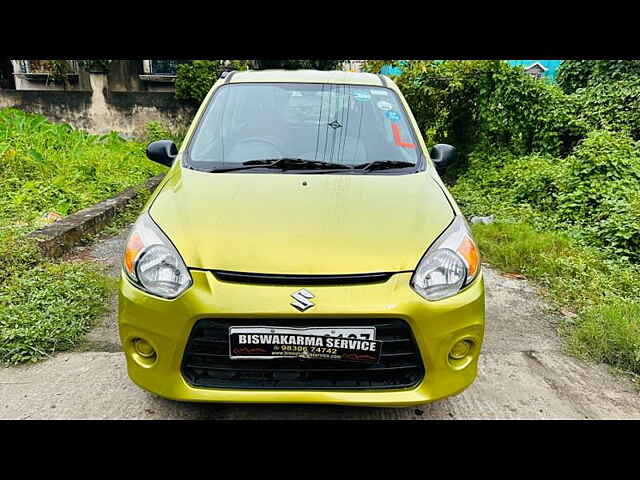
[101,109]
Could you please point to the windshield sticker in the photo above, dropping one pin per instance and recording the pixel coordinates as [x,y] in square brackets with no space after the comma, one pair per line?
[392,115]
[384,105]
[379,92]
[396,137]
[361,95]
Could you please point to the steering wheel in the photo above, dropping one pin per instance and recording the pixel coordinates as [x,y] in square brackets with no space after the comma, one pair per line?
[274,142]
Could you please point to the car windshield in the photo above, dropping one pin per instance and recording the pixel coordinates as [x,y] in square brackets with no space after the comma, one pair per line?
[297,125]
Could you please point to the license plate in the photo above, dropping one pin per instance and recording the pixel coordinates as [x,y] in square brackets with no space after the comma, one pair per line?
[351,344]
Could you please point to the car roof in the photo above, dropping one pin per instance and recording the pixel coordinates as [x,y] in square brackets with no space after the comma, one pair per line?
[310,76]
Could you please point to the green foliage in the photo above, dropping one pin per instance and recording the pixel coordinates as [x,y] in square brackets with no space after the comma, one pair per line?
[575,74]
[195,79]
[156,131]
[238,65]
[298,64]
[599,191]
[489,105]
[17,255]
[608,333]
[48,308]
[603,291]
[594,192]
[508,186]
[612,105]
[374,66]
[576,276]
[95,66]
[53,167]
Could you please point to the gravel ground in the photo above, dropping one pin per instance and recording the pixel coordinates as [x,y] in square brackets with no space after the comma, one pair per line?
[522,375]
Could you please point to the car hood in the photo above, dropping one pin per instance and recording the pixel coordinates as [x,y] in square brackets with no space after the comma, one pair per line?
[301,223]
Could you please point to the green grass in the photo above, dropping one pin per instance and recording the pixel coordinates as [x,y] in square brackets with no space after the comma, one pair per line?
[609,333]
[602,291]
[48,308]
[47,305]
[52,167]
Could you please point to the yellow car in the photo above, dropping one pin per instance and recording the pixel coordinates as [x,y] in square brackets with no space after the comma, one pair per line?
[302,248]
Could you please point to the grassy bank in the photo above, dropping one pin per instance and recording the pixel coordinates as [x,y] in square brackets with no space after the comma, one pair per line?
[573,225]
[45,305]
[598,294]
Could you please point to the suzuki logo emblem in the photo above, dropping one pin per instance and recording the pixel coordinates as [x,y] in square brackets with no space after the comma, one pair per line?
[302,301]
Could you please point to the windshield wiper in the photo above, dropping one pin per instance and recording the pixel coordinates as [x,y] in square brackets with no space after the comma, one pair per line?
[285,163]
[383,164]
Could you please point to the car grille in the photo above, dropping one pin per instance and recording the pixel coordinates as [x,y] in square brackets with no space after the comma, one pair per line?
[206,360]
[276,279]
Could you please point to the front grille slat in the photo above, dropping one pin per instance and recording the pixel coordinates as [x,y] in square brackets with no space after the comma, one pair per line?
[285,279]
[206,361]
[237,369]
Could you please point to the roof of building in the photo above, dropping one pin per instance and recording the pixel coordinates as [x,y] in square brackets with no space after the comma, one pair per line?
[309,76]
[536,64]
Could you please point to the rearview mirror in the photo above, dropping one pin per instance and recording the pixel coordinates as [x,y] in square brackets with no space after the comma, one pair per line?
[443,155]
[162,151]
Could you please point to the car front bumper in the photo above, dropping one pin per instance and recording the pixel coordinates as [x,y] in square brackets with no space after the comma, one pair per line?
[436,327]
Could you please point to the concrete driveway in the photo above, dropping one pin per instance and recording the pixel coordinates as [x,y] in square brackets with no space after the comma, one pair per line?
[523,375]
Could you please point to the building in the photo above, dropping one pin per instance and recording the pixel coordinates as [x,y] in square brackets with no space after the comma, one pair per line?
[123,99]
[123,75]
[536,70]
[353,65]
[539,68]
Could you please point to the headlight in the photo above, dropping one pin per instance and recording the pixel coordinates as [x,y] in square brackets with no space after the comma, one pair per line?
[152,263]
[449,265]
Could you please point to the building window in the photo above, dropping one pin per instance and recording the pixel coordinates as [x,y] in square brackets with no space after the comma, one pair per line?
[161,67]
[46,67]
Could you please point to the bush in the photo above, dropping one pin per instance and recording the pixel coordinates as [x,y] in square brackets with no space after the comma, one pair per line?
[489,105]
[510,187]
[298,64]
[599,191]
[594,193]
[195,79]
[613,106]
[95,66]
[53,167]
[575,74]
[156,131]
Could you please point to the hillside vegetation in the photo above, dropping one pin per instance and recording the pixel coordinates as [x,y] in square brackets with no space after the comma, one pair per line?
[559,168]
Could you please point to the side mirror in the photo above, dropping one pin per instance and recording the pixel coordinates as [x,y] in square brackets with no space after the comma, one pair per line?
[162,151]
[443,155]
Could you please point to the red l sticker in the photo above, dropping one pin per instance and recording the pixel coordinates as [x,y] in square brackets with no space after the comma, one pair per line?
[396,137]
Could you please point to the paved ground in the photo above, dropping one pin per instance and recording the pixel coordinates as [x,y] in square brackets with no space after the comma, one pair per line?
[523,375]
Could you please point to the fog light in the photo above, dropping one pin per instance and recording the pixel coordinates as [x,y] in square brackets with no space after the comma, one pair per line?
[460,350]
[143,348]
